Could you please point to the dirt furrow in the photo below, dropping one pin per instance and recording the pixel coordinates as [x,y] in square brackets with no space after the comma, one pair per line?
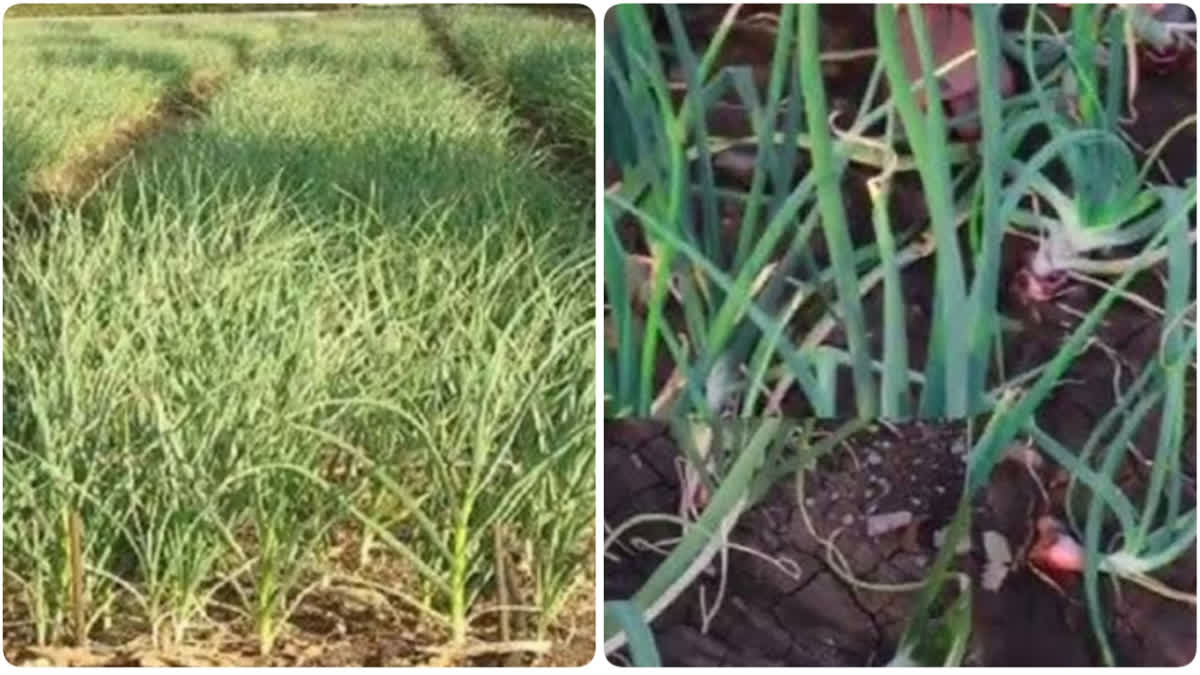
[74,181]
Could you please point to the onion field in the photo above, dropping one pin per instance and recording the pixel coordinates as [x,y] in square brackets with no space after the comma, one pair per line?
[298,347]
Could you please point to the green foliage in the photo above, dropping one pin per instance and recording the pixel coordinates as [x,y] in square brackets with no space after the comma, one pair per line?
[69,85]
[726,311]
[543,64]
[345,302]
[107,9]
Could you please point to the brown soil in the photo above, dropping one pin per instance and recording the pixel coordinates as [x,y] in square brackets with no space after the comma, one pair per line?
[353,621]
[792,608]
[789,607]
[1054,631]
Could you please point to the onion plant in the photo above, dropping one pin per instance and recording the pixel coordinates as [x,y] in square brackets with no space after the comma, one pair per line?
[757,454]
[733,314]
[253,357]
[1111,203]
[121,70]
[515,63]
[736,301]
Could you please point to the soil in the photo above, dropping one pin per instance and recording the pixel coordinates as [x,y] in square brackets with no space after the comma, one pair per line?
[1147,629]
[787,606]
[352,621]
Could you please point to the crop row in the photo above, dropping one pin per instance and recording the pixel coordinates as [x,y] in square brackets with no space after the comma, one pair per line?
[68,84]
[545,64]
[345,309]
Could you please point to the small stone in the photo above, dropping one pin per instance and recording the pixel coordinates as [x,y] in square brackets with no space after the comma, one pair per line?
[995,545]
[993,577]
[999,560]
[874,458]
[848,519]
[887,522]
